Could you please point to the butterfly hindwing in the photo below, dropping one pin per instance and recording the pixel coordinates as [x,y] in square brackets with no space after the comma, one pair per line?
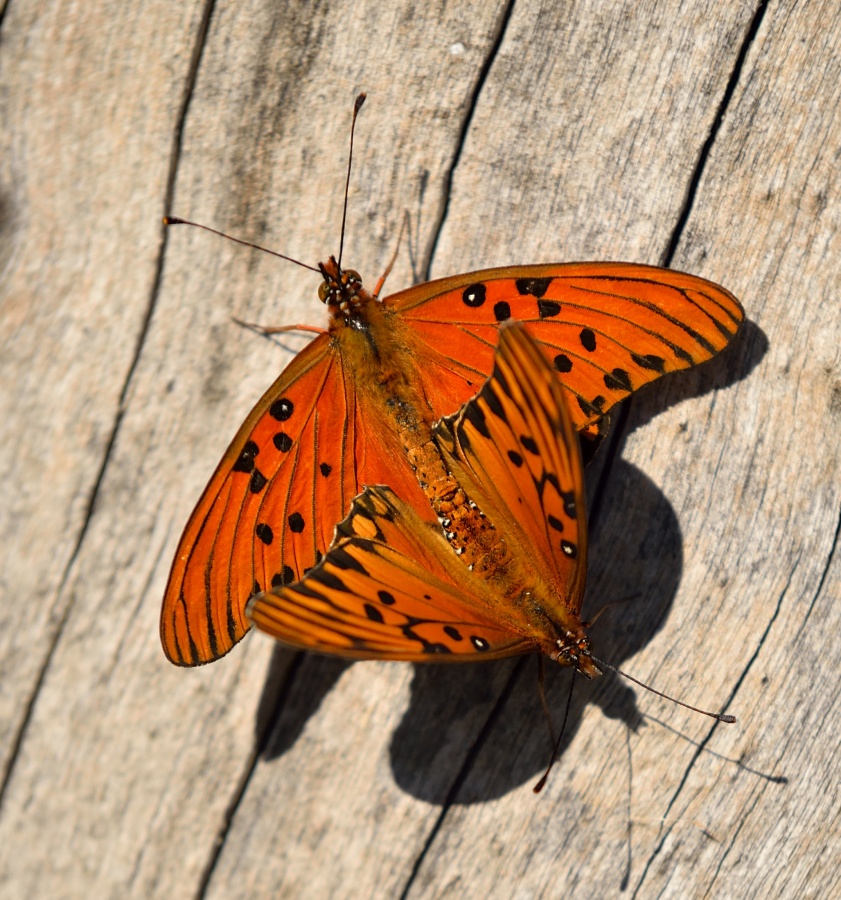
[389,588]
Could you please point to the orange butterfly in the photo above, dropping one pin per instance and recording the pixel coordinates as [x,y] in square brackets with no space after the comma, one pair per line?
[357,405]
[391,586]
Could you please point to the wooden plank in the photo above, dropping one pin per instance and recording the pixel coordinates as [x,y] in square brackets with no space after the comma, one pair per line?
[83,173]
[585,135]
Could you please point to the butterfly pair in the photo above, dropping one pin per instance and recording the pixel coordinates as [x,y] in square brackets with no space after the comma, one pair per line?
[358,407]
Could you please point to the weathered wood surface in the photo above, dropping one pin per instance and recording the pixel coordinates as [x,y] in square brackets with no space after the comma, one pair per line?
[593,131]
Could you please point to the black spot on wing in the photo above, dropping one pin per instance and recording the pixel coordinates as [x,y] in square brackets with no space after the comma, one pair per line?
[283,442]
[490,397]
[341,559]
[296,523]
[529,444]
[257,482]
[562,363]
[480,643]
[650,361]
[555,523]
[537,287]
[453,632]
[264,533]
[325,469]
[569,549]
[331,580]
[588,339]
[386,598]
[502,311]
[548,309]
[586,407]
[502,381]
[245,461]
[474,295]
[515,458]
[281,410]
[285,576]
[373,613]
[569,503]
[618,380]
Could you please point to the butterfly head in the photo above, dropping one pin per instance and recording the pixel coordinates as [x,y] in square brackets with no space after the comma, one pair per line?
[341,289]
[574,650]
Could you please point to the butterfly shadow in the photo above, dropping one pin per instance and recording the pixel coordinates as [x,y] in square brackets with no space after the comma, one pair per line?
[473,733]
[733,365]
[295,687]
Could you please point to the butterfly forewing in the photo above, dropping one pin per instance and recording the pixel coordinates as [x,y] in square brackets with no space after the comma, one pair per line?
[515,451]
[390,588]
[607,328]
[255,523]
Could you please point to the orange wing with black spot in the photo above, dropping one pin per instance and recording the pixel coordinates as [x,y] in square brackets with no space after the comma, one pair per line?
[607,328]
[390,588]
[268,514]
[514,450]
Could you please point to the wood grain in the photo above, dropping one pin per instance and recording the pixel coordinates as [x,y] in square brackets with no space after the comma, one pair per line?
[701,135]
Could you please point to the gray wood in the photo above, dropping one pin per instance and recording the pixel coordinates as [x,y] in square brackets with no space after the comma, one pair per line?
[721,508]
[83,175]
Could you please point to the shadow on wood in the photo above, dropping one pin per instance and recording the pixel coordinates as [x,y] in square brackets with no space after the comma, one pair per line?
[734,364]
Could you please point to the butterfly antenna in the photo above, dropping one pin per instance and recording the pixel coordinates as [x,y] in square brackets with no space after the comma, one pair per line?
[540,784]
[729,720]
[356,107]
[174,220]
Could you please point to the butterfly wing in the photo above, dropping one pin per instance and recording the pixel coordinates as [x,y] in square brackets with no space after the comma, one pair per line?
[607,328]
[268,513]
[390,588]
[514,450]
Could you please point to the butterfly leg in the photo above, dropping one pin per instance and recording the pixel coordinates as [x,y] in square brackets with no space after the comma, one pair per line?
[278,329]
[381,283]
[541,690]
